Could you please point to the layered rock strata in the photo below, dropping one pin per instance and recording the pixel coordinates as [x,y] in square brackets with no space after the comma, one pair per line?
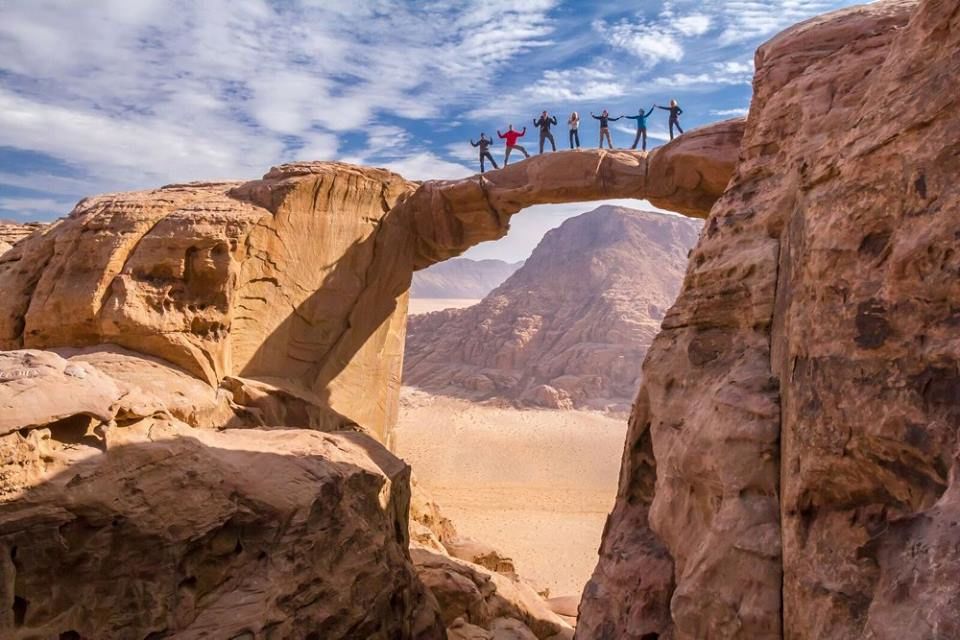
[790,466]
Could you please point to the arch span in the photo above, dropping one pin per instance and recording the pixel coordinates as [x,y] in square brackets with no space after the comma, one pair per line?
[686,176]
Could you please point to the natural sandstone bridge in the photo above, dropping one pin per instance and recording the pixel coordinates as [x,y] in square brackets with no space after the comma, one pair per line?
[293,287]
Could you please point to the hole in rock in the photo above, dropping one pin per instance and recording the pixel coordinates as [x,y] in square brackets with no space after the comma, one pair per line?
[74,430]
[519,372]
[71,635]
[19,610]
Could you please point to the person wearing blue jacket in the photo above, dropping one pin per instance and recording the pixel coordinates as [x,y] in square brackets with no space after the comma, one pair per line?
[641,119]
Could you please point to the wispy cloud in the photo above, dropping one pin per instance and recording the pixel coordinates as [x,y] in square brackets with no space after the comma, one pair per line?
[29,207]
[740,111]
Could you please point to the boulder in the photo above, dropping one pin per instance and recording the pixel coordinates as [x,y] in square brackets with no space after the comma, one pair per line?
[471,595]
[162,531]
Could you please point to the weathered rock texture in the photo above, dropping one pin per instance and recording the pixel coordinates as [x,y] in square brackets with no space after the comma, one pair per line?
[571,327]
[790,468]
[117,520]
[461,278]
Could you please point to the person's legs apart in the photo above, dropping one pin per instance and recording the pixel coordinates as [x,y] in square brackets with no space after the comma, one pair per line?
[605,132]
[492,161]
[521,150]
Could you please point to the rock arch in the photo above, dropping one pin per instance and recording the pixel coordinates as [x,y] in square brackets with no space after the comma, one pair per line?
[294,286]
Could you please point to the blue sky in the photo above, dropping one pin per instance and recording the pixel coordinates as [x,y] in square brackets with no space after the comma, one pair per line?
[112,95]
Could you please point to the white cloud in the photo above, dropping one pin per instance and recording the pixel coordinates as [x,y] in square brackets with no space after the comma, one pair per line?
[729,112]
[31,207]
[427,166]
[652,43]
[695,24]
[747,20]
[136,93]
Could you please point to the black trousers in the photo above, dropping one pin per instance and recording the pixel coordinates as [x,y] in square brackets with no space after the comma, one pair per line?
[641,133]
[674,123]
[574,135]
[486,154]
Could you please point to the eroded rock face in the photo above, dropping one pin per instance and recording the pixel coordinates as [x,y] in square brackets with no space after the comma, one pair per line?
[571,327]
[119,520]
[253,280]
[796,431]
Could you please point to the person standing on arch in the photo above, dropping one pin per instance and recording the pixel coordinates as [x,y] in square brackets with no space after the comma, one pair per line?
[574,123]
[511,137]
[484,145]
[544,122]
[641,119]
[605,120]
[675,112]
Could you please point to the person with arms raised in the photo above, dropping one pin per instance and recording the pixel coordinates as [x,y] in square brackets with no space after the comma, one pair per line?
[511,137]
[484,145]
[544,122]
[641,119]
[605,120]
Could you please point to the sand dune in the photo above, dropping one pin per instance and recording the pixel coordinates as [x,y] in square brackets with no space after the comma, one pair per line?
[536,484]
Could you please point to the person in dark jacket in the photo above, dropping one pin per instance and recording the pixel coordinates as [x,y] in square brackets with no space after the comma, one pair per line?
[544,122]
[484,145]
[675,112]
[641,119]
[511,137]
[605,120]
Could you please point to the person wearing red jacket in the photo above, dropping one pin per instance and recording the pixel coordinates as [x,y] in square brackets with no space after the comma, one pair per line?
[511,137]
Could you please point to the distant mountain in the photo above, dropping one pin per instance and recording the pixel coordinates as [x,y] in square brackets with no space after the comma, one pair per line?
[568,329]
[461,278]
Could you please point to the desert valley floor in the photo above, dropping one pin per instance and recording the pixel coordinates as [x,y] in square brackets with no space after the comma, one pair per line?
[535,484]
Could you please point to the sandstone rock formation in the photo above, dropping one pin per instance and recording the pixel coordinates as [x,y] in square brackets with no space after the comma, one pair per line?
[791,465]
[13,232]
[118,520]
[571,327]
[475,600]
[171,356]
[461,278]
